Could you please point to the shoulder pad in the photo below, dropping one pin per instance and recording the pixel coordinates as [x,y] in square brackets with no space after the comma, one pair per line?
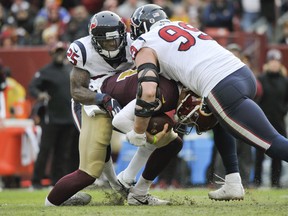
[136,46]
[76,54]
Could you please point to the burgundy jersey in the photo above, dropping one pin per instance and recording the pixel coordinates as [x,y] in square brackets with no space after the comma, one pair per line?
[123,88]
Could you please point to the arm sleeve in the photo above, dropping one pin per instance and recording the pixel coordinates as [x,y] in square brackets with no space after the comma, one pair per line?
[124,120]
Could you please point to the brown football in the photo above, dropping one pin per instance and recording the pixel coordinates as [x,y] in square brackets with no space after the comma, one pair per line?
[156,123]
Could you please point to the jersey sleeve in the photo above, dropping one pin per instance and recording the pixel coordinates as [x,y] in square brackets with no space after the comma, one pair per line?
[136,46]
[77,54]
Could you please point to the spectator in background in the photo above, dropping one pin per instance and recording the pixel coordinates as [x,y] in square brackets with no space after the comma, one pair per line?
[77,26]
[50,36]
[22,17]
[52,5]
[93,6]
[55,21]
[284,39]
[180,14]
[16,97]
[250,13]
[36,38]
[126,9]
[274,102]
[218,14]
[13,96]
[3,16]
[166,5]
[111,5]
[194,9]
[18,5]
[70,4]
[283,7]
[8,36]
[268,12]
[57,17]
[3,85]
[59,135]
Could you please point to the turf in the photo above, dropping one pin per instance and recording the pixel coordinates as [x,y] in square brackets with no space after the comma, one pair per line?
[192,201]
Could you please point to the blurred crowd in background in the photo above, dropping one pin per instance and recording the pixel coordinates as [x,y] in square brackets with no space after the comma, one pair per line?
[40,22]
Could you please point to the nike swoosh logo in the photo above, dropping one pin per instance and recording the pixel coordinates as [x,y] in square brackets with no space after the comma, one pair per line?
[143,203]
[75,50]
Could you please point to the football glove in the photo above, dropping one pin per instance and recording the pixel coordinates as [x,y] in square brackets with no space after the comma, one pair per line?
[108,103]
[136,139]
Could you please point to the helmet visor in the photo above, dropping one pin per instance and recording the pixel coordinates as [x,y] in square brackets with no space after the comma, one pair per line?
[110,44]
[110,41]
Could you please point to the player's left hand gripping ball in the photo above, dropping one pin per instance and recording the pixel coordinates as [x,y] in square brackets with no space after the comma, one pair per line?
[136,139]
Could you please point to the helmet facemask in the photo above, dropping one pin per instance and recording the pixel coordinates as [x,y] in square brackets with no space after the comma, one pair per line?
[109,45]
[194,112]
[186,116]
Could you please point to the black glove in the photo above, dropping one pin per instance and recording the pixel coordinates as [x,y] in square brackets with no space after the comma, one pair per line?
[110,105]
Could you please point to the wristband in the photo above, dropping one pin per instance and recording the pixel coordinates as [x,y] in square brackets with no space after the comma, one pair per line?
[99,98]
[154,140]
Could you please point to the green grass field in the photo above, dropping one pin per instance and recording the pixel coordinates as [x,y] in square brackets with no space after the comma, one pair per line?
[192,201]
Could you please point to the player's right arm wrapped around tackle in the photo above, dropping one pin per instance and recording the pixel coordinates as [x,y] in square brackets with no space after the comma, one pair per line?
[86,92]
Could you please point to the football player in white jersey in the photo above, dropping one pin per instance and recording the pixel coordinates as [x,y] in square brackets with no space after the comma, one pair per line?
[182,53]
[97,56]
[97,60]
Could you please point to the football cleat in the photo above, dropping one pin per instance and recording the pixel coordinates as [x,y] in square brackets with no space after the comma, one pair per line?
[232,189]
[121,189]
[124,182]
[78,199]
[148,199]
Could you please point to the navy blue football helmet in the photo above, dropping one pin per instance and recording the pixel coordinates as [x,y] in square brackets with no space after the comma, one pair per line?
[144,17]
[108,34]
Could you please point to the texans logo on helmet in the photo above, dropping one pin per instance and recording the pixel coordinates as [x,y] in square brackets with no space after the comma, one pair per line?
[93,25]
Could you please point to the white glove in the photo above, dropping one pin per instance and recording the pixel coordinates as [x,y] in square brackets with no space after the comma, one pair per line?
[136,139]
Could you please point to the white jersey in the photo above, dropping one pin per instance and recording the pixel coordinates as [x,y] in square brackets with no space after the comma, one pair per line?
[188,56]
[82,54]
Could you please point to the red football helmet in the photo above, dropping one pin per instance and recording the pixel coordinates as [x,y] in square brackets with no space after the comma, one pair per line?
[192,111]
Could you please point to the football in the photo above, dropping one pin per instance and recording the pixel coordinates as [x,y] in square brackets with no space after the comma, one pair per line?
[156,123]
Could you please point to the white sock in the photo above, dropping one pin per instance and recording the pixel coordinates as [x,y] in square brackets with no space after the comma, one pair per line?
[48,203]
[137,162]
[142,186]
[233,178]
[110,174]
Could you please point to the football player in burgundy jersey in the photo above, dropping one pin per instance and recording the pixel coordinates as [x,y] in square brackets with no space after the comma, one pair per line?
[99,56]
[181,52]
[91,60]
[123,87]
[157,155]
